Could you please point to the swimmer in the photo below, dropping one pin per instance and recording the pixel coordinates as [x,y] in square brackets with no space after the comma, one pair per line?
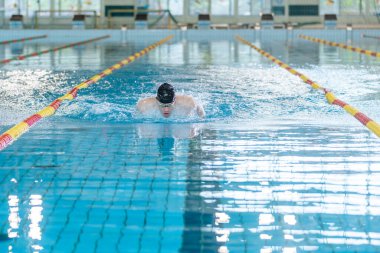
[167,103]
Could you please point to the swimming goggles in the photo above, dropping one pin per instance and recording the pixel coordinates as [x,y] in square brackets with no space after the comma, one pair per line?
[165,105]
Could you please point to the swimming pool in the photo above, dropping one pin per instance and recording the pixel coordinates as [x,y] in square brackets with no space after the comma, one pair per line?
[272,168]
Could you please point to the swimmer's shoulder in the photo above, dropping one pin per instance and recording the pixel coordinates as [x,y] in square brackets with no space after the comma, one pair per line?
[146,104]
[190,104]
[186,99]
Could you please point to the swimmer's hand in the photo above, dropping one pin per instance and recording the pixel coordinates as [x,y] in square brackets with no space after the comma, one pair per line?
[200,111]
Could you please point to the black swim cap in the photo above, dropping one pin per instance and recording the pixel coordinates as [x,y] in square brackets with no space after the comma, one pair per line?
[165,93]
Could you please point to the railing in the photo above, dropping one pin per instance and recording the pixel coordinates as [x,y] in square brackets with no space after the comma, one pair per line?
[134,12]
[63,14]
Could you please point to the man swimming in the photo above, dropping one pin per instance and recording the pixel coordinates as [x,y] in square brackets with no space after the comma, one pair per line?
[168,103]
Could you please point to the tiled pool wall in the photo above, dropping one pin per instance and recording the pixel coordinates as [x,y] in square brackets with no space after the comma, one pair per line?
[143,35]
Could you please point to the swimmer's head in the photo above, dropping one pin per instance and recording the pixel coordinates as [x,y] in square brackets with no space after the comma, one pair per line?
[165,94]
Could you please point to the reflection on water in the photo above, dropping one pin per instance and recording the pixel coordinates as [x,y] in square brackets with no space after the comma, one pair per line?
[17,49]
[23,225]
[290,191]
[167,130]
[35,216]
[13,218]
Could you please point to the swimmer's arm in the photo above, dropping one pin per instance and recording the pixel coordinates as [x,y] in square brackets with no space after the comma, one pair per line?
[199,108]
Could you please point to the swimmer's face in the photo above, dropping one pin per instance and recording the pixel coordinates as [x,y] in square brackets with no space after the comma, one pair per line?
[166,109]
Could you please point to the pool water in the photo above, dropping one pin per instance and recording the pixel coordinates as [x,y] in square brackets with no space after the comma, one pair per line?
[272,168]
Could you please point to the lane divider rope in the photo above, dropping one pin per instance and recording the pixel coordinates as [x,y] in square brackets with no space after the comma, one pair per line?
[330,97]
[22,39]
[23,57]
[341,45]
[16,131]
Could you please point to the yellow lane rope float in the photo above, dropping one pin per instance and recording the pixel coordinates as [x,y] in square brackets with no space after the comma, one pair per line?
[23,57]
[16,131]
[335,44]
[362,118]
[22,39]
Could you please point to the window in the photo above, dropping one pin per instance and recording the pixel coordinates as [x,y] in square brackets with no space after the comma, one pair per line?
[199,6]
[351,6]
[222,7]
[257,7]
[92,5]
[374,8]
[158,4]
[65,5]
[244,7]
[174,6]
[328,7]
[25,7]
[14,7]
[278,7]
[139,2]
[34,6]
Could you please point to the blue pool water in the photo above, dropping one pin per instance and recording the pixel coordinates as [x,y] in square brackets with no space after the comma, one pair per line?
[272,168]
